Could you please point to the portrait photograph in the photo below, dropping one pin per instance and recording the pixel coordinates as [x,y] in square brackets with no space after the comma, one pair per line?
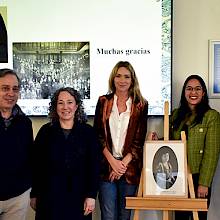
[165,169]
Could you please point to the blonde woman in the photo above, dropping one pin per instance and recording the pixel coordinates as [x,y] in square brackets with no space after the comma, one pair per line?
[121,124]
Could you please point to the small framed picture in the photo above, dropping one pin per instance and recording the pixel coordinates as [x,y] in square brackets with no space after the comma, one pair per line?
[165,169]
[214,68]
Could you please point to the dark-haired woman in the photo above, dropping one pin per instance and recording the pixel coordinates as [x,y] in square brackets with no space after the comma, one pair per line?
[65,178]
[164,172]
[121,124]
[202,127]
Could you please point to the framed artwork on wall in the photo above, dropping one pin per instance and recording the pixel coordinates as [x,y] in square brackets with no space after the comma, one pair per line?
[165,169]
[214,68]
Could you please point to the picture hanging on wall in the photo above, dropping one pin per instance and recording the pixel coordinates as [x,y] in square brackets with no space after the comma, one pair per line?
[44,67]
[3,36]
[214,68]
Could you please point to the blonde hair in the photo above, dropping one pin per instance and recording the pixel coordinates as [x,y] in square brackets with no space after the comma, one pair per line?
[134,90]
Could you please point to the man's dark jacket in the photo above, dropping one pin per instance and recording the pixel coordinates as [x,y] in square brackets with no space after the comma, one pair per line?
[16,141]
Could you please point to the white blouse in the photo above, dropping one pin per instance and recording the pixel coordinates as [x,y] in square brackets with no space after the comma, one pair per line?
[118,126]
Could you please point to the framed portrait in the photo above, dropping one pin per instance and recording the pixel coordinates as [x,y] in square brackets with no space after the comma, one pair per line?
[165,169]
[214,68]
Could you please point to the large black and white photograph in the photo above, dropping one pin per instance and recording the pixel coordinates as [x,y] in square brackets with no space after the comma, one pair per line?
[165,169]
[44,67]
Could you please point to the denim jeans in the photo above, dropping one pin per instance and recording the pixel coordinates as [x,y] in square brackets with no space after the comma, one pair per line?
[112,199]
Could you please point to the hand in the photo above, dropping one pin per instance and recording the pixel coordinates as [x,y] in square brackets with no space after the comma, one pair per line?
[33,202]
[113,176]
[89,205]
[152,136]
[127,159]
[118,166]
[202,191]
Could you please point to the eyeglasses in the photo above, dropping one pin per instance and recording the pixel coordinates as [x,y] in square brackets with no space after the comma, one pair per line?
[14,89]
[196,89]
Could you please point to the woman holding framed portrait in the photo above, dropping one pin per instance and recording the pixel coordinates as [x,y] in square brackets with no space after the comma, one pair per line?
[201,124]
[202,127]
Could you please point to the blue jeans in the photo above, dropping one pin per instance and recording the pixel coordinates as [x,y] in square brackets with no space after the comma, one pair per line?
[112,199]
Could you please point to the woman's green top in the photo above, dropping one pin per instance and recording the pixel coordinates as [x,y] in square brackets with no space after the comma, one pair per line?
[203,143]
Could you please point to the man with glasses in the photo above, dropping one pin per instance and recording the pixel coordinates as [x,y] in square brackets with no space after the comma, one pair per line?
[16,139]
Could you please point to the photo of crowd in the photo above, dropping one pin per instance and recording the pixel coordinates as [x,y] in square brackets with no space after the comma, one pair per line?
[43,67]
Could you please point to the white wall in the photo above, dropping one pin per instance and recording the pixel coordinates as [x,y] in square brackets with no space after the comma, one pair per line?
[194,23]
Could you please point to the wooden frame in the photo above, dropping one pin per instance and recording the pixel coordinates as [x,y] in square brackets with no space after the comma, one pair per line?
[214,70]
[165,169]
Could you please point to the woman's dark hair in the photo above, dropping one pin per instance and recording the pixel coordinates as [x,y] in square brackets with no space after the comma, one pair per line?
[80,115]
[200,109]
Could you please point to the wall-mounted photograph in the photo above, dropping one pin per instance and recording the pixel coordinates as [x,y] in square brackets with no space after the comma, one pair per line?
[165,169]
[214,68]
[43,67]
